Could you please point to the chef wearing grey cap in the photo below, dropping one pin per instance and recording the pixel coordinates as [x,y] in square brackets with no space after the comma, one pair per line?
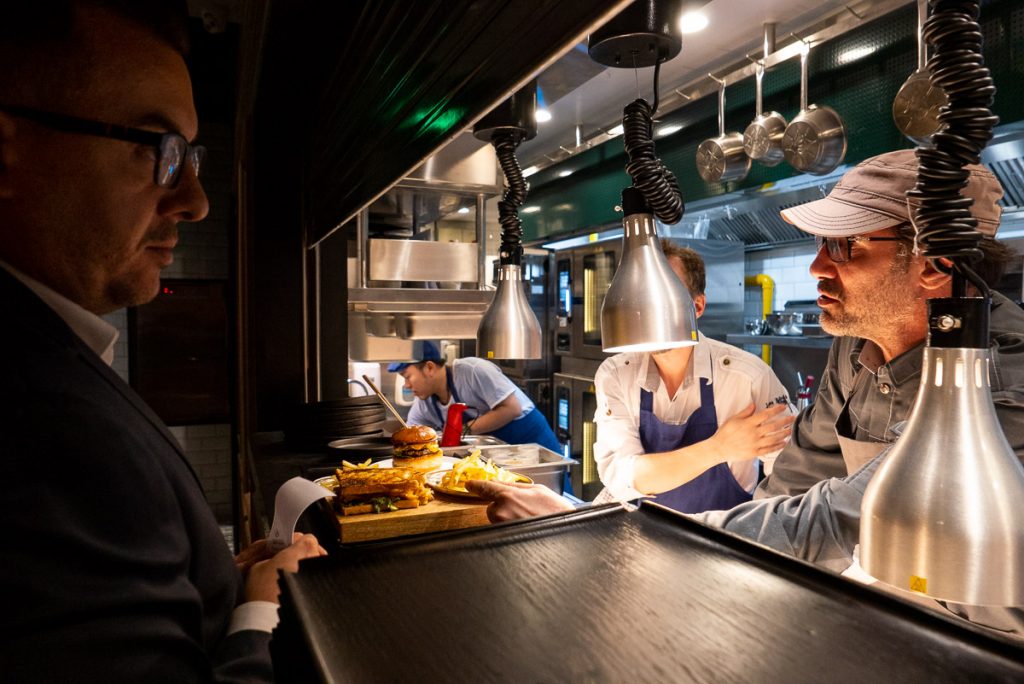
[872,293]
[873,290]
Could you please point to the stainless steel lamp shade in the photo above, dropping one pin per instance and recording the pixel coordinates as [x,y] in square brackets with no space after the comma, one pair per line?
[646,308]
[509,328]
[944,514]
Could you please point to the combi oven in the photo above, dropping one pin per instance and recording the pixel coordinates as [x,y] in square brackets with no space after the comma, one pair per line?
[583,275]
[574,405]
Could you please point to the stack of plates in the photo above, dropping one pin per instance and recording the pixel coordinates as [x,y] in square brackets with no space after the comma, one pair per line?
[313,426]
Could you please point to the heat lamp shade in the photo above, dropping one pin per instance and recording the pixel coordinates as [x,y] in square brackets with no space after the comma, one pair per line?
[943,514]
[509,329]
[647,307]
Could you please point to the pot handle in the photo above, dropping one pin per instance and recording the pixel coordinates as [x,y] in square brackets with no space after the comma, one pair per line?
[805,49]
[758,77]
[721,104]
[922,47]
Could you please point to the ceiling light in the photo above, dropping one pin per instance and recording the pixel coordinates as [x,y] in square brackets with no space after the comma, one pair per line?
[532,209]
[692,21]
[529,171]
[464,210]
[669,130]
[543,116]
[564,172]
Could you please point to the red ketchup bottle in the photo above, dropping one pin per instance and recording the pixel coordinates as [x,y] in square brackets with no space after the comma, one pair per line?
[452,435]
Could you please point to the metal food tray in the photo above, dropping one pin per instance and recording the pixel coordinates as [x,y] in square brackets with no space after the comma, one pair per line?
[602,595]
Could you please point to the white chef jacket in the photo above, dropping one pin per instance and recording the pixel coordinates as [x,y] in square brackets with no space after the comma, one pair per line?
[737,378]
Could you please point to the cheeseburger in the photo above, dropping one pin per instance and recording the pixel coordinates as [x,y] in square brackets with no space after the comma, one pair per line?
[416,447]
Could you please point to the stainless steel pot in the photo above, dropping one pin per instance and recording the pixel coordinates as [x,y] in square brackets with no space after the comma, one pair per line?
[815,141]
[762,140]
[916,107]
[722,158]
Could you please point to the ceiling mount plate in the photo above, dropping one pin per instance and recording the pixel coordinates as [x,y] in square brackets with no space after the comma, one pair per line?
[643,34]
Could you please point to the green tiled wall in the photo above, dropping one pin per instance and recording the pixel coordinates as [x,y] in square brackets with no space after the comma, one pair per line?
[861,92]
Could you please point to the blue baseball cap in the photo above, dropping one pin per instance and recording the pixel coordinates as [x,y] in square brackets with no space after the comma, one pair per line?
[422,350]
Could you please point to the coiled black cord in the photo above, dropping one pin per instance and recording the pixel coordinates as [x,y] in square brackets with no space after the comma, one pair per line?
[516,187]
[943,221]
[652,178]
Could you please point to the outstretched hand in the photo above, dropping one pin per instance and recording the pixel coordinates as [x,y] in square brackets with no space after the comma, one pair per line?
[259,565]
[748,434]
[517,500]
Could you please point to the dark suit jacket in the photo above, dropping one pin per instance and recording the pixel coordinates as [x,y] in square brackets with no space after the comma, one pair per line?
[113,566]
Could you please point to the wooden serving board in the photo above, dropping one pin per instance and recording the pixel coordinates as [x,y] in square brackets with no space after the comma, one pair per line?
[440,514]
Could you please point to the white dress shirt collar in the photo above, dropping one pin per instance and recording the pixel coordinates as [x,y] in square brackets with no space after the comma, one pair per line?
[97,334]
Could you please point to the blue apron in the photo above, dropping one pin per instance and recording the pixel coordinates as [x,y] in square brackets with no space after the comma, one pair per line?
[715,488]
[525,429]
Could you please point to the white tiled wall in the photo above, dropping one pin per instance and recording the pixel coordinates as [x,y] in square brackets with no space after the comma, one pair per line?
[208,448]
[788,267]
[202,253]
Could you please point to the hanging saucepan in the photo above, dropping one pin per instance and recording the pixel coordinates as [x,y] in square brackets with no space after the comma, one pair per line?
[762,141]
[722,159]
[916,107]
[815,141]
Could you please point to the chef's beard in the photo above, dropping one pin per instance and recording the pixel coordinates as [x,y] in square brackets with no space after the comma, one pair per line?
[869,314]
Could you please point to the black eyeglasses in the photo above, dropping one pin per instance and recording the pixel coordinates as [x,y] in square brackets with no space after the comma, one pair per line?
[172,148]
[838,249]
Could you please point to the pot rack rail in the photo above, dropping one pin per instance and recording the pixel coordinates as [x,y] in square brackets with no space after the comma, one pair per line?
[674,98]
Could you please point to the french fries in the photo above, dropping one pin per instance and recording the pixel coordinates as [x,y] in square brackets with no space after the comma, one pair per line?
[475,468]
[365,464]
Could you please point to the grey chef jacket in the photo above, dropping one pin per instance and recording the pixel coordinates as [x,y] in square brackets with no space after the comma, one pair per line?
[863,399]
[822,526]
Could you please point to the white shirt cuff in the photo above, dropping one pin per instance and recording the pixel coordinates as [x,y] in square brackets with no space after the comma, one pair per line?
[258,615]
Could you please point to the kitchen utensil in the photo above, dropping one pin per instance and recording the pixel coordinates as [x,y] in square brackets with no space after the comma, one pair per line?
[784,322]
[815,141]
[384,400]
[754,326]
[762,140]
[916,107]
[722,159]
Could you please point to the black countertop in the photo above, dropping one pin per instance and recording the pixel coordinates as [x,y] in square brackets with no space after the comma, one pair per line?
[601,595]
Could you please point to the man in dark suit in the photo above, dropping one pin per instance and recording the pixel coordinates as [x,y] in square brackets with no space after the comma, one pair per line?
[114,568]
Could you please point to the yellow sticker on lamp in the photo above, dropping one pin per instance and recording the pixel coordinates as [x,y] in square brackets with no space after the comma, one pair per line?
[693,335]
[919,584]
[490,355]
[592,237]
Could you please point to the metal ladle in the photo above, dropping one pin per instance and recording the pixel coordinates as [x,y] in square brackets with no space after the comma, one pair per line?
[916,107]
[384,400]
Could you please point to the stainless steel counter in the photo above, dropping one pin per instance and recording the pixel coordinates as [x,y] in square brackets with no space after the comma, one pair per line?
[803,341]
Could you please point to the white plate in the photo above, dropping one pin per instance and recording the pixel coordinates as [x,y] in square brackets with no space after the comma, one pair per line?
[434,482]
[446,463]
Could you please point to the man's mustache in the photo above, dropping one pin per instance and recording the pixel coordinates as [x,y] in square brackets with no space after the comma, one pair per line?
[829,289]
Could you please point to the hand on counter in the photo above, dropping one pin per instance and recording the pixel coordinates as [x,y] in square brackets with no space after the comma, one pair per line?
[259,565]
[516,500]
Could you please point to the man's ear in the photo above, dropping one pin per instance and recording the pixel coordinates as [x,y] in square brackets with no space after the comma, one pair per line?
[7,129]
[932,278]
[700,302]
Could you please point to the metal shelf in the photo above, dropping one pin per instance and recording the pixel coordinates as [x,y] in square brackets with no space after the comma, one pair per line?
[803,341]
